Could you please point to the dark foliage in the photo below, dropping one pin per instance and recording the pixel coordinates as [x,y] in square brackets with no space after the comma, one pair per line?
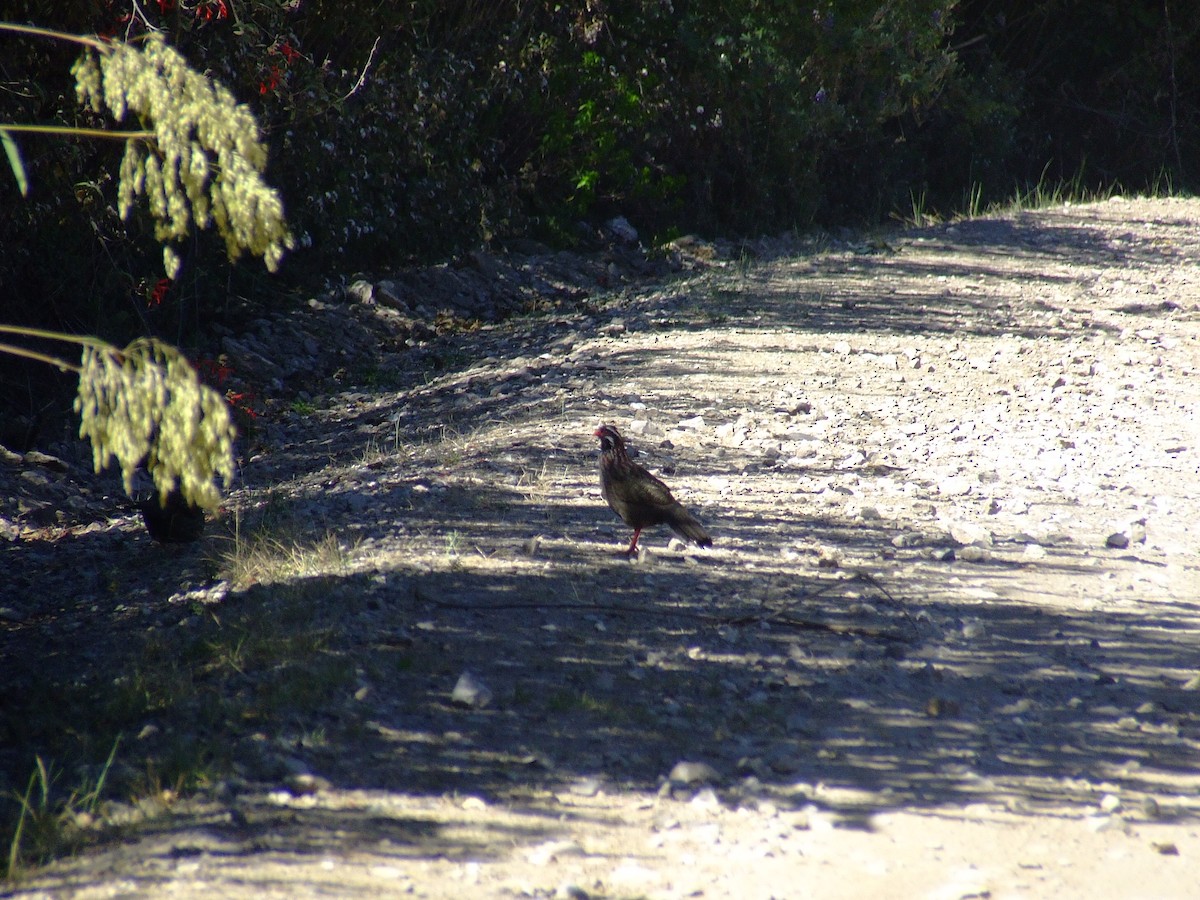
[1092,93]
[410,131]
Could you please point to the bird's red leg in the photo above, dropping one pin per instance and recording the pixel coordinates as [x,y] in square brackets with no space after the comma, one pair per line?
[633,544]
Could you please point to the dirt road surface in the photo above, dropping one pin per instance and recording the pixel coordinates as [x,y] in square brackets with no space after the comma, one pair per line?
[946,644]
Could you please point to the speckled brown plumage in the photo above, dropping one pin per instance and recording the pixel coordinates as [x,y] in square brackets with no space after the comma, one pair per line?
[640,499]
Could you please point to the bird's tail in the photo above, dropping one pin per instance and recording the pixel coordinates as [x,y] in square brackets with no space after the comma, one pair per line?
[684,524]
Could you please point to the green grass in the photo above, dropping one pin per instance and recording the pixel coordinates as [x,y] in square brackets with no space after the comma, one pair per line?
[177,699]
[376,378]
[275,550]
[570,701]
[50,823]
[919,214]
[972,202]
[1042,194]
[375,449]
[1045,193]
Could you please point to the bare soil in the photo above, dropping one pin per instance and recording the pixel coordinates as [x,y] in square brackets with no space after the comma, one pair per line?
[946,645]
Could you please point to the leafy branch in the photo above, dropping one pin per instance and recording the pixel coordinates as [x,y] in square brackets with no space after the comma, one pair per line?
[198,157]
[145,405]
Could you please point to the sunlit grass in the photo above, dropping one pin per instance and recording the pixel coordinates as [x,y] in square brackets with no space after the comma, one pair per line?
[274,553]
[1045,193]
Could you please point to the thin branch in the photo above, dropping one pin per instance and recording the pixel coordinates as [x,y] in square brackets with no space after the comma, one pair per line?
[79,132]
[362,77]
[61,364]
[81,340]
[93,42]
[138,14]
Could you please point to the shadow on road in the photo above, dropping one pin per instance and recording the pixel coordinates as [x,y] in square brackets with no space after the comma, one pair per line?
[925,685]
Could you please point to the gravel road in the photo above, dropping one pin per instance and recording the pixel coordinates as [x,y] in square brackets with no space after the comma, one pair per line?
[946,644]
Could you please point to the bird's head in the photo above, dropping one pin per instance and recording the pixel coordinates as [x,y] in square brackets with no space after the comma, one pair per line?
[610,438]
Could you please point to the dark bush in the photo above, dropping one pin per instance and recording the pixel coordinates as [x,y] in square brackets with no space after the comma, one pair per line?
[1093,93]
[409,131]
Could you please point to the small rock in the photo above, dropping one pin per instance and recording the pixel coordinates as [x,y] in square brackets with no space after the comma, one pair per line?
[1101,824]
[941,707]
[613,328]
[552,851]
[955,485]
[361,291]
[857,458]
[1020,708]
[973,629]
[974,554]
[305,784]
[586,787]
[693,773]
[620,228]
[390,873]
[782,762]
[46,461]
[388,293]
[813,818]
[729,435]
[829,558]
[37,479]
[470,691]
[970,533]
[932,538]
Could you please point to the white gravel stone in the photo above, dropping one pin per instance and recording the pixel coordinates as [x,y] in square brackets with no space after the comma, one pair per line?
[471,691]
[687,772]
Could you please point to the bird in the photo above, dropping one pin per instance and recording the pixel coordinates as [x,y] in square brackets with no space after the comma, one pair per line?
[169,518]
[640,499]
[172,520]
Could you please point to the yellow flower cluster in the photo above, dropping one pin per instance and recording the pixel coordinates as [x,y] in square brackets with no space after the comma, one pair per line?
[145,405]
[207,158]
